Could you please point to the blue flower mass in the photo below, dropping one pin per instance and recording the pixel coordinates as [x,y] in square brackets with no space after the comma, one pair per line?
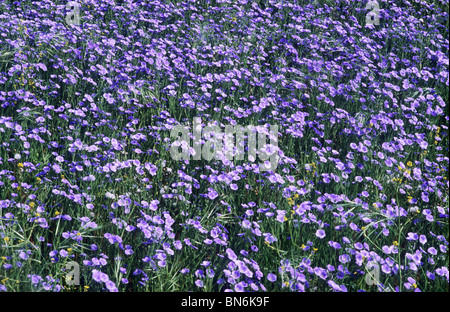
[91,199]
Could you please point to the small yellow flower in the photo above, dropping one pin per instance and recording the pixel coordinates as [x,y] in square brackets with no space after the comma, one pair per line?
[38,179]
[415,285]
[20,165]
[32,204]
[409,164]
[86,288]
[303,246]
[286,283]
[395,243]
[285,219]
[57,213]
[314,249]
[6,239]
[69,249]
[62,177]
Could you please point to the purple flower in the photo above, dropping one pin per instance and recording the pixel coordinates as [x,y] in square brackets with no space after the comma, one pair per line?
[154,204]
[99,276]
[231,255]
[320,272]
[246,224]
[320,233]
[344,258]
[386,268]
[335,245]
[280,215]
[422,239]
[212,193]
[412,236]
[432,251]
[334,285]
[23,255]
[271,277]
[240,287]
[199,283]
[199,273]
[111,286]
[109,98]
[410,283]
[430,275]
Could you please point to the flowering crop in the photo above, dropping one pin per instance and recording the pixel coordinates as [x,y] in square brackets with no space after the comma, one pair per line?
[92,199]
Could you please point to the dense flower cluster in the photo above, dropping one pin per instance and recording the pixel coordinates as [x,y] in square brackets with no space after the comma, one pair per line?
[358,201]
